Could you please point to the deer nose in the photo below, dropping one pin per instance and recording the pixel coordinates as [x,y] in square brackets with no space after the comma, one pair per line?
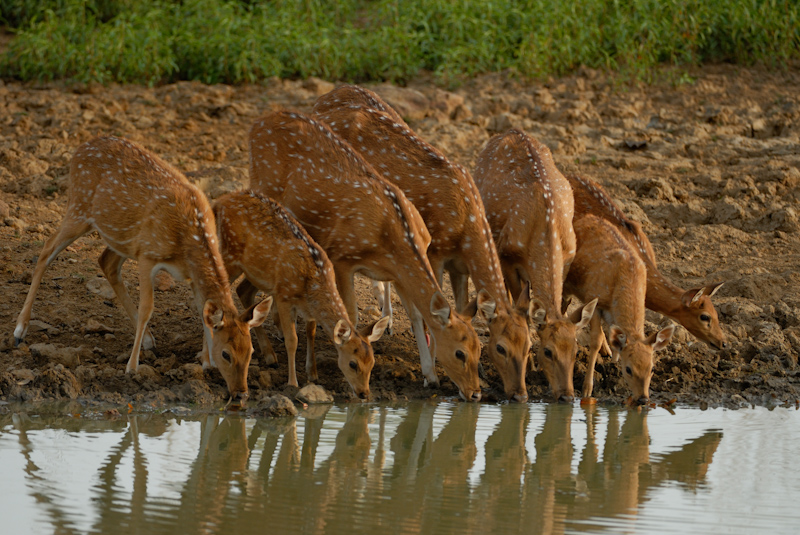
[476,396]
[520,398]
[363,395]
[566,399]
[642,400]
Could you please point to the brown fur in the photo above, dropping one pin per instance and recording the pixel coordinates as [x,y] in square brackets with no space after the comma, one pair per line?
[607,268]
[145,209]
[262,240]
[529,206]
[364,224]
[691,308]
[449,203]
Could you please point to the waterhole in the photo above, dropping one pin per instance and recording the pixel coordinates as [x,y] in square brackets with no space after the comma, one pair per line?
[420,467]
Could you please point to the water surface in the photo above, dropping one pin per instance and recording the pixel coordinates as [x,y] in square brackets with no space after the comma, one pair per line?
[417,467]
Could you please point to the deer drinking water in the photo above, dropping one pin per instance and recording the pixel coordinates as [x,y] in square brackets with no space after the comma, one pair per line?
[691,308]
[529,206]
[606,267]
[145,209]
[259,238]
[449,203]
[365,224]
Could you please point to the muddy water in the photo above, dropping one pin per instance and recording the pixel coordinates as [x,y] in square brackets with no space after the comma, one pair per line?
[412,468]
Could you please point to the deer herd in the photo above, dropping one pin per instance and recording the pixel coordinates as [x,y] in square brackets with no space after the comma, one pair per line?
[351,189]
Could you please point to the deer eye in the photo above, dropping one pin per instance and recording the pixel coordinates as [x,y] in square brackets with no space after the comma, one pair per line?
[353,364]
[460,355]
[500,349]
[628,370]
[548,353]
[705,317]
[226,356]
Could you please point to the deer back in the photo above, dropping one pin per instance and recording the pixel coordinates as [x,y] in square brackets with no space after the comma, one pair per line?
[530,209]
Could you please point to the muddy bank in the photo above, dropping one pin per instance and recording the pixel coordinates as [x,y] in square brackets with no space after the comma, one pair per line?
[710,169]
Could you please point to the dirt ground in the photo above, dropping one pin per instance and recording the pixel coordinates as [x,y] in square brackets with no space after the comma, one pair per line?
[709,166]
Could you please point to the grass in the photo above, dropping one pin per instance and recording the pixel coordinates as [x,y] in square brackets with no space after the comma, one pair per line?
[235,41]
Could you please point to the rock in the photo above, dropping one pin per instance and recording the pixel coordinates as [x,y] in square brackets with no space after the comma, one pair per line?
[23,376]
[314,394]
[192,371]
[101,287]
[317,86]
[277,406]
[58,382]
[146,372]
[94,326]
[446,102]
[5,211]
[265,380]
[15,222]
[500,123]
[164,282]
[35,326]
[409,103]
[68,356]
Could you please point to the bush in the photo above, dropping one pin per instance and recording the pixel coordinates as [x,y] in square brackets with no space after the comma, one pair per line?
[153,41]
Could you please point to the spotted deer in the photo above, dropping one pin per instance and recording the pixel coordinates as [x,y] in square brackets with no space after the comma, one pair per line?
[365,224]
[529,206]
[260,239]
[607,268]
[449,203]
[691,308]
[145,209]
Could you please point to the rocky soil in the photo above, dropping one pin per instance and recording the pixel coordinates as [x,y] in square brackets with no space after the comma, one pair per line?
[710,168]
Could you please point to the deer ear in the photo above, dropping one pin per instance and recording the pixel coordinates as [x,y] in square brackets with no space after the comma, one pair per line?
[617,339]
[486,305]
[441,309]
[690,297]
[341,333]
[565,305]
[374,331]
[537,312]
[524,299]
[212,316]
[257,313]
[711,289]
[661,339]
[583,316]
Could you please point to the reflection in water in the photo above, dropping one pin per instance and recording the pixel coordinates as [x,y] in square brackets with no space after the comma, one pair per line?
[416,468]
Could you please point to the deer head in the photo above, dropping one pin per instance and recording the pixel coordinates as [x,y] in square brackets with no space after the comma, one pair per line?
[354,349]
[635,356]
[699,316]
[231,346]
[558,347]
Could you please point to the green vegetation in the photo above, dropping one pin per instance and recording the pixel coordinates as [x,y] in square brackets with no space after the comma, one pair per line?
[154,41]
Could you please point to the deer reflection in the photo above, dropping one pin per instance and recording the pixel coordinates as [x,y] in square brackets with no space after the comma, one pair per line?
[407,469]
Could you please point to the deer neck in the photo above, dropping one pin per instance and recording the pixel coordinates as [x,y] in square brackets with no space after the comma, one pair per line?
[627,308]
[205,268]
[663,296]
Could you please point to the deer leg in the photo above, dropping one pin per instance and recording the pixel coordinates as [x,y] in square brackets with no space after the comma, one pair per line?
[145,310]
[426,359]
[311,358]
[289,339]
[383,293]
[596,334]
[460,283]
[111,264]
[344,283]
[69,231]
[247,295]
